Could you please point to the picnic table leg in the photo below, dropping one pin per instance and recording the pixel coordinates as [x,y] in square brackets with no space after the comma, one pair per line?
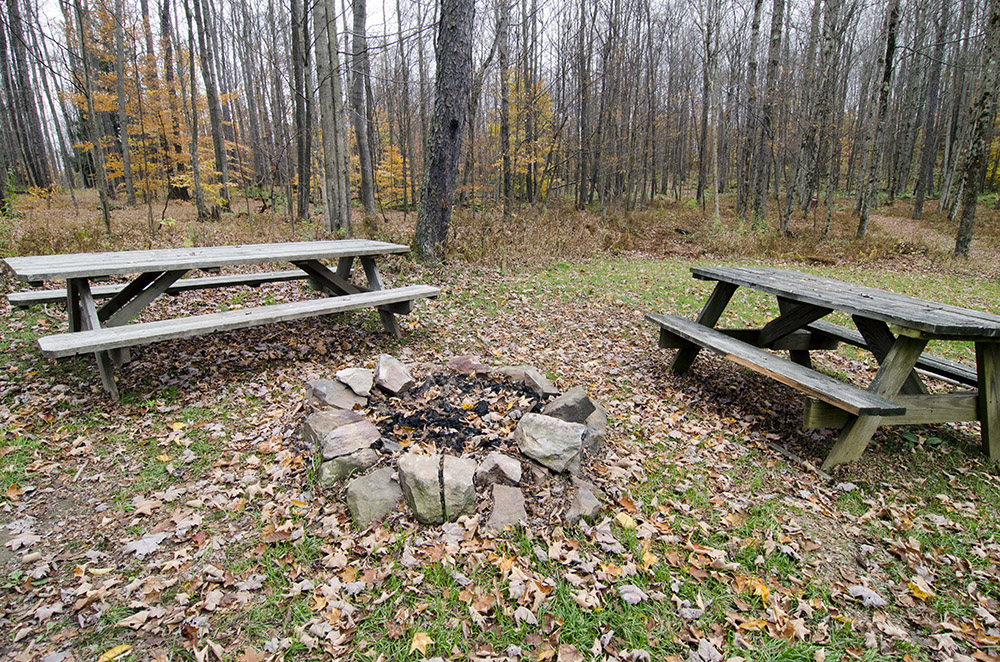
[988,371]
[710,314]
[888,381]
[389,320]
[73,313]
[880,339]
[91,321]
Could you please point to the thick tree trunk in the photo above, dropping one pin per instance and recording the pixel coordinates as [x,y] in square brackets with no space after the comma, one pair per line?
[983,111]
[444,143]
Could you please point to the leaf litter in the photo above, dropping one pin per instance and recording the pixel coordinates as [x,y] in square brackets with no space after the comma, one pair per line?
[186,510]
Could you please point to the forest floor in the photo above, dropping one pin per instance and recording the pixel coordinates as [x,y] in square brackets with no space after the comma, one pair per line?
[721,547]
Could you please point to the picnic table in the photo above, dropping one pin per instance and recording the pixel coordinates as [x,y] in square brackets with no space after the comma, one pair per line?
[895,328]
[106,330]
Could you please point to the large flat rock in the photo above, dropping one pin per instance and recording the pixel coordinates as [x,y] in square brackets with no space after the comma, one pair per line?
[350,438]
[418,476]
[551,442]
[373,496]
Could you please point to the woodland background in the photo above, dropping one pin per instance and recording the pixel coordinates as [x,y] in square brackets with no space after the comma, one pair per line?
[291,108]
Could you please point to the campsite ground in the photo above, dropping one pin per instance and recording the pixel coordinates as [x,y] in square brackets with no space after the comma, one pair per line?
[729,544]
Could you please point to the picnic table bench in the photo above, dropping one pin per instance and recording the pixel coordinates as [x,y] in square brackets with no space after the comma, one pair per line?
[895,328]
[106,331]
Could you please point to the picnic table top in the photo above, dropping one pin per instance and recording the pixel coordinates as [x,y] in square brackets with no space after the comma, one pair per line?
[85,265]
[906,312]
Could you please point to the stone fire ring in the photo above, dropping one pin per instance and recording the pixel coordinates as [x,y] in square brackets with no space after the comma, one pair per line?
[439,487]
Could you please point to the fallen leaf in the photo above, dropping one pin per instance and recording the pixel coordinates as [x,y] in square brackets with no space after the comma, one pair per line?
[920,589]
[632,594]
[135,621]
[420,643]
[625,520]
[112,653]
[869,598]
[524,615]
[26,539]
[146,545]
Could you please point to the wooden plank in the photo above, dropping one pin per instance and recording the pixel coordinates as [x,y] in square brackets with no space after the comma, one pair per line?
[73,312]
[879,340]
[69,344]
[389,321]
[920,410]
[798,340]
[710,314]
[927,362]
[988,364]
[792,318]
[126,294]
[38,297]
[130,310]
[807,380]
[928,317]
[888,380]
[92,323]
[84,265]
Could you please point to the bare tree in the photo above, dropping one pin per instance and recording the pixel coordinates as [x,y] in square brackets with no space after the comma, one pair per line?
[453,51]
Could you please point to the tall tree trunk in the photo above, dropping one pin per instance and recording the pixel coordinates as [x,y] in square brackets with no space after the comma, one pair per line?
[359,59]
[749,118]
[214,105]
[453,51]
[36,161]
[874,160]
[95,136]
[123,118]
[929,152]
[765,144]
[503,30]
[199,194]
[337,209]
[982,114]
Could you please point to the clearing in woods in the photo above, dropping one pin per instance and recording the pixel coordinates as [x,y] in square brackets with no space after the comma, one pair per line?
[184,523]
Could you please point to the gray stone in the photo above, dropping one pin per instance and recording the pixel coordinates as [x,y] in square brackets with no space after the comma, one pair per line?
[317,426]
[360,380]
[392,376]
[597,430]
[331,393]
[373,496]
[573,406]
[551,442]
[332,472]
[530,377]
[468,365]
[585,503]
[498,468]
[418,476]
[508,508]
[350,438]
[459,489]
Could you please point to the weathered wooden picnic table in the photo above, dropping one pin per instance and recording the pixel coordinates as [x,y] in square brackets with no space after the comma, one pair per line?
[106,331]
[895,328]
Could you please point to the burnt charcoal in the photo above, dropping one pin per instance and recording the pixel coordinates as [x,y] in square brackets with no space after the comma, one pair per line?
[432,412]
